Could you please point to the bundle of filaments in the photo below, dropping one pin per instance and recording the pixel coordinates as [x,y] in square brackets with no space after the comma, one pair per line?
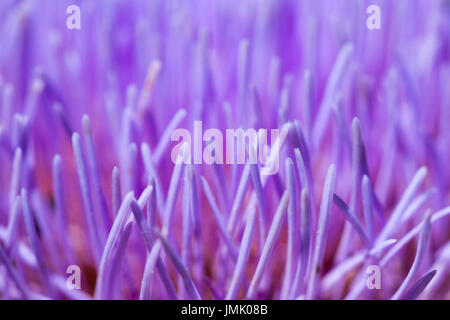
[92,205]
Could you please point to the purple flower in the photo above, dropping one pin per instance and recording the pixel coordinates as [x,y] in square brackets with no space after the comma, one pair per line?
[356,202]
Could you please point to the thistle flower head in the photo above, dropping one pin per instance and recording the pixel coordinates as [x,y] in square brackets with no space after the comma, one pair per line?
[118,180]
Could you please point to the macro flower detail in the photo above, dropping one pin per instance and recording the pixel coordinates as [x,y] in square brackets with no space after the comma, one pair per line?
[349,197]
